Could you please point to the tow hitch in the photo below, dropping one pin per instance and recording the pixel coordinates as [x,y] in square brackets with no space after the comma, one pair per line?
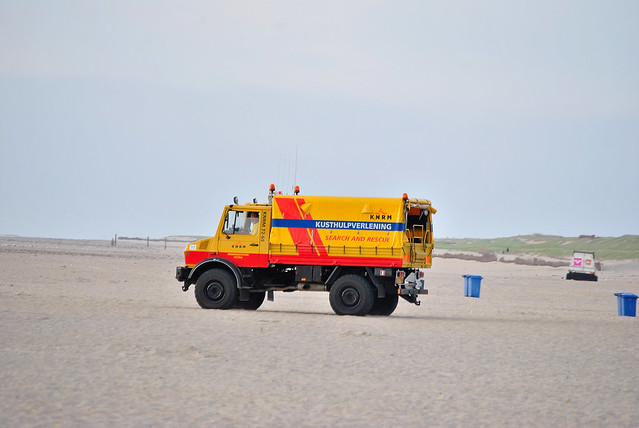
[411,288]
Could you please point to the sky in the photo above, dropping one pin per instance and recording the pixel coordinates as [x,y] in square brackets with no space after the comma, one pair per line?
[144,118]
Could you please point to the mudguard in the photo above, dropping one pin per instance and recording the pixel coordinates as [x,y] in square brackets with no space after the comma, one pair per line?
[207,264]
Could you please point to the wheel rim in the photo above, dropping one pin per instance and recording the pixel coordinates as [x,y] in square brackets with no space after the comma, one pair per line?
[215,291]
[350,297]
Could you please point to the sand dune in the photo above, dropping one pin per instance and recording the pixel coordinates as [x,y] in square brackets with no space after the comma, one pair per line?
[98,335]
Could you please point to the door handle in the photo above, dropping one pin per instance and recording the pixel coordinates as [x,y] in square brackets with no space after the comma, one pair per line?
[254,245]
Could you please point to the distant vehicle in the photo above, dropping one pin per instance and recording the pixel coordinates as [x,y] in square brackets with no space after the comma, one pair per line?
[582,266]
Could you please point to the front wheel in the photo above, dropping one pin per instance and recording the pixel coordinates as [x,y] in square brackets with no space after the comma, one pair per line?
[216,289]
[351,295]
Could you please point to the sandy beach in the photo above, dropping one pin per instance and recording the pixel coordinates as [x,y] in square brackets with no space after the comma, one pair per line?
[97,335]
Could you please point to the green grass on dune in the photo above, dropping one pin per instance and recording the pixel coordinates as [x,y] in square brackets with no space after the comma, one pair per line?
[609,248]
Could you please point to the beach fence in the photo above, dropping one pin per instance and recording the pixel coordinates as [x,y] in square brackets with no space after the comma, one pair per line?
[150,241]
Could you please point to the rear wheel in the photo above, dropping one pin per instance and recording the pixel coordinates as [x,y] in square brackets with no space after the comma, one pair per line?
[216,289]
[255,301]
[386,305]
[351,295]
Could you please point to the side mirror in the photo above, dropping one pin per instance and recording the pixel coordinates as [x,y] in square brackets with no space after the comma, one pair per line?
[235,200]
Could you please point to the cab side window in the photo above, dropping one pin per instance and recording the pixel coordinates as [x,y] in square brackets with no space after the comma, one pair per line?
[253,222]
[241,223]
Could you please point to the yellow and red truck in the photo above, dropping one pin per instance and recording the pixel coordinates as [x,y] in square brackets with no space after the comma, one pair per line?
[366,252]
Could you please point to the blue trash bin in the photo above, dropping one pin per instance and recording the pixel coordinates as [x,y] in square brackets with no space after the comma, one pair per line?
[627,304]
[472,285]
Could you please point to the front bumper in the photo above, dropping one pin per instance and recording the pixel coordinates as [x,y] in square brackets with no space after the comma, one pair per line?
[182,273]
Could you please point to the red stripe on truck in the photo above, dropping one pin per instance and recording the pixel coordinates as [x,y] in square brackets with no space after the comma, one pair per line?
[307,239]
[311,259]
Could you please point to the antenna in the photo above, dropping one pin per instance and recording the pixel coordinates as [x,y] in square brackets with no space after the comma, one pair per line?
[295,183]
[280,170]
[287,167]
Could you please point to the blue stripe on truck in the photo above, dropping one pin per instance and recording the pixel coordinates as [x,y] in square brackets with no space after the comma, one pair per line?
[339,224]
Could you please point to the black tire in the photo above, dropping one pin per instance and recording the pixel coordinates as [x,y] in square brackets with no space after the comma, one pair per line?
[351,295]
[216,289]
[385,306]
[255,301]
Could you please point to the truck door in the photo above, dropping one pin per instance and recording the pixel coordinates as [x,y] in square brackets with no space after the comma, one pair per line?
[244,238]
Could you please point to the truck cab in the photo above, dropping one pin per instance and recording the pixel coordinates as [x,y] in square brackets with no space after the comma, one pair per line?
[241,237]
